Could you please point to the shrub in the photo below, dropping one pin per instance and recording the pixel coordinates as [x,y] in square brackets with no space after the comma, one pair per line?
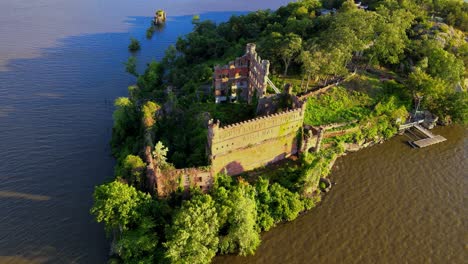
[322,185]
[150,32]
[130,66]
[149,110]
[134,45]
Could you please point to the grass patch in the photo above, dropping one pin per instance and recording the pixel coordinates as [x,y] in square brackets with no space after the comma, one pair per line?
[336,106]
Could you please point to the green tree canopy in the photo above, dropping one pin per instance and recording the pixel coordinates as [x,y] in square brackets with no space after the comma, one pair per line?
[160,154]
[236,207]
[139,245]
[391,38]
[126,126]
[118,205]
[289,47]
[193,235]
[276,203]
[132,170]
[130,66]
[149,110]
[444,65]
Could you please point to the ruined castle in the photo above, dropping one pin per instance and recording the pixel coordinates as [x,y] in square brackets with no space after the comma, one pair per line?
[275,134]
[241,79]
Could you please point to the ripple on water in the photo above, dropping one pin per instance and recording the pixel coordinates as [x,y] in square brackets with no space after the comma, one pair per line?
[392,204]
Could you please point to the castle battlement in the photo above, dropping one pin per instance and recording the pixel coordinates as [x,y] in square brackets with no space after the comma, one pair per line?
[253,143]
[260,118]
[236,148]
[246,145]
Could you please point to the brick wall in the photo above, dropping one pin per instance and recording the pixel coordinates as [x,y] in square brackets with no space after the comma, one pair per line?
[271,104]
[254,143]
[170,180]
[242,78]
[233,149]
[163,182]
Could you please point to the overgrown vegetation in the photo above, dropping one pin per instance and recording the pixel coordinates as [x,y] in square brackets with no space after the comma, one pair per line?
[400,50]
[150,31]
[338,105]
[134,45]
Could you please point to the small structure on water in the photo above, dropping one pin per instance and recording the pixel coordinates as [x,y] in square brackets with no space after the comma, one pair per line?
[159,17]
[420,135]
[421,121]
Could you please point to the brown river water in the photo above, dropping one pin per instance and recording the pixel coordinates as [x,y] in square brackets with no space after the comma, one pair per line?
[61,69]
[391,204]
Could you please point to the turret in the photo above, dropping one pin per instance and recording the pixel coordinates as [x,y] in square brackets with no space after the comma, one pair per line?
[266,67]
[250,48]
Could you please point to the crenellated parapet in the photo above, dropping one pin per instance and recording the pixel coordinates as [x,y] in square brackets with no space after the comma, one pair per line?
[256,142]
[233,149]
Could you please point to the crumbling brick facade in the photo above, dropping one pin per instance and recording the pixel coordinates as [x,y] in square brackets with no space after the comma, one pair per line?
[254,143]
[241,79]
[235,148]
[170,180]
[274,135]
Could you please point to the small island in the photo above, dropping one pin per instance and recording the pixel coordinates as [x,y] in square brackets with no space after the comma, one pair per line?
[159,17]
[236,129]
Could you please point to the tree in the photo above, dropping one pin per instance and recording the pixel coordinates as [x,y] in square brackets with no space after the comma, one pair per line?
[350,31]
[195,19]
[289,47]
[122,114]
[149,111]
[435,91]
[300,27]
[391,38]
[134,45]
[285,205]
[150,32]
[348,6]
[152,78]
[170,56]
[422,83]
[268,47]
[264,220]
[237,214]
[140,244]
[345,33]
[125,127]
[455,12]
[333,62]
[193,235]
[443,64]
[310,64]
[118,205]
[159,154]
[130,66]
[275,204]
[132,170]
[456,106]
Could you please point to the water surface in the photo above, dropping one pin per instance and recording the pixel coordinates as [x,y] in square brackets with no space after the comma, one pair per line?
[61,67]
[391,204]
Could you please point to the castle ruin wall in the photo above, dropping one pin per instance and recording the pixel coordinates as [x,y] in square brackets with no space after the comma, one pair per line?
[254,143]
[244,78]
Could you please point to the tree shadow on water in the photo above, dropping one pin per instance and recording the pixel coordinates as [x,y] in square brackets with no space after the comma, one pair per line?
[54,132]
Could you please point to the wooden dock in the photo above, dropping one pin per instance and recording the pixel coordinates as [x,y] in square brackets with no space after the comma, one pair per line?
[425,142]
[430,139]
